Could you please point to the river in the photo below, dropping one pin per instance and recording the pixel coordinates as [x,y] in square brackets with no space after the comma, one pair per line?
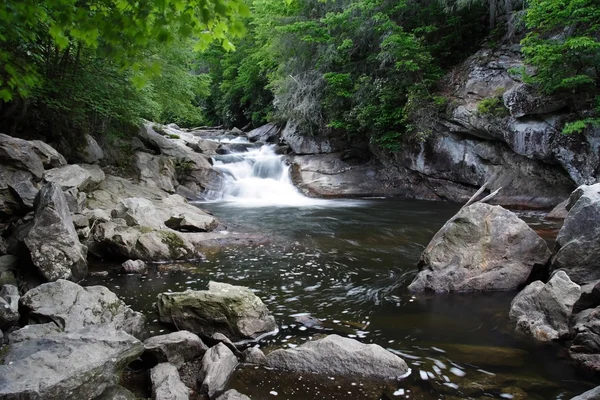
[342,266]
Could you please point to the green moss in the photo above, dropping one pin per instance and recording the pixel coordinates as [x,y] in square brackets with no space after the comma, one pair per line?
[3,352]
[174,242]
[173,136]
[493,106]
[145,229]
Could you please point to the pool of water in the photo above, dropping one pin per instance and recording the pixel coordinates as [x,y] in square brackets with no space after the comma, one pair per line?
[346,263]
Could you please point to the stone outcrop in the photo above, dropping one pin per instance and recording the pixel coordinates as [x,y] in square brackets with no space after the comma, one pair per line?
[265,133]
[74,307]
[69,365]
[218,365]
[80,176]
[585,348]
[578,242]
[176,348]
[166,383]
[339,356]
[232,310]
[52,240]
[134,266]
[543,311]
[481,248]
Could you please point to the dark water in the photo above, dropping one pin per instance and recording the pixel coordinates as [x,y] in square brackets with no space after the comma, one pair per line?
[347,263]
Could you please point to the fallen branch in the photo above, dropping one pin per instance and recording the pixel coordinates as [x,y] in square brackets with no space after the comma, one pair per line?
[472,199]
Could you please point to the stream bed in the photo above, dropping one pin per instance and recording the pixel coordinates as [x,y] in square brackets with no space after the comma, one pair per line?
[346,264]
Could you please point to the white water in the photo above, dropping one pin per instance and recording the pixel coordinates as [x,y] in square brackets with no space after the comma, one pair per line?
[256,178]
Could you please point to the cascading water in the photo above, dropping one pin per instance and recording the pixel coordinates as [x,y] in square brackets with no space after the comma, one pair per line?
[257,177]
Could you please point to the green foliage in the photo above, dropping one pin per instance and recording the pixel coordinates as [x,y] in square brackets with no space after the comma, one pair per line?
[493,106]
[183,168]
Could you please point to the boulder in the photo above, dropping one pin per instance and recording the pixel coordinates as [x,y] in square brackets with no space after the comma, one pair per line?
[218,365]
[117,393]
[49,156]
[338,356]
[254,355]
[17,190]
[20,154]
[577,248]
[304,144]
[134,267]
[176,348]
[233,394]
[73,307]
[89,151]
[35,331]
[166,383]
[139,212]
[585,348]
[524,99]
[84,177]
[593,394]
[559,212]
[481,248]
[263,133]
[9,306]
[218,337]
[68,365]
[543,311]
[157,172]
[232,310]
[52,240]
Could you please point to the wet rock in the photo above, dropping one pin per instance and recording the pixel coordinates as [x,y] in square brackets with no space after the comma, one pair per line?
[543,311]
[254,355]
[52,240]
[336,355]
[263,133]
[585,349]
[593,394]
[35,331]
[578,243]
[523,99]
[166,384]
[233,394]
[81,176]
[175,348]
[156,172]
[232,310]
[116,393]
[74,307]
[481,248]
[218,337]
[69,365]
[9,306]
[559,212]
[218,365]
[134,267]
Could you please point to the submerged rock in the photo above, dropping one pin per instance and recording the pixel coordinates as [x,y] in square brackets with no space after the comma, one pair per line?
[233,394]
[134,267]
[175,348]
[52,240]
[543,311]
[66,366]
[481,248]
[336,355]
[73,307]
[231,310]
[218,365]
[578,243]
[166,383]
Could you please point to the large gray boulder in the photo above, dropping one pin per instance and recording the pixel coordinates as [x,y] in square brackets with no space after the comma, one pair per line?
[578,243]
[304,144]
[20,154]
[233,394]
[338,356]
[83,177]
[48,155]
[176,348]
[481,248]
[231,310]
[89,151]
[263,133]
[73,307]
[157,172]
[218,365]
[543,311]
[52,240]
[66,366]
[166,383]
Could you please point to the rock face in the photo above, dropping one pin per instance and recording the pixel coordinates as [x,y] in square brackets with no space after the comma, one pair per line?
[585,349]
[166,384]
[218,365]
[543,311]
[336,355]
[578,243]
[175,348]
[481,248]
[155,171]
[73,307]
[232,310]
[302,144]
[80,176]
[69,365]
[52,240]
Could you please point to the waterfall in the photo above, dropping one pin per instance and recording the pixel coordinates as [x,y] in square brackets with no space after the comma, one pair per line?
[257,177]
